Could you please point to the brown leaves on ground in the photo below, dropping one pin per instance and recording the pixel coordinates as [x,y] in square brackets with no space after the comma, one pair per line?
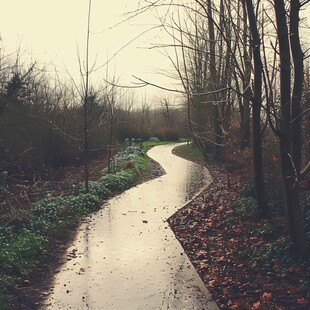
[245,262]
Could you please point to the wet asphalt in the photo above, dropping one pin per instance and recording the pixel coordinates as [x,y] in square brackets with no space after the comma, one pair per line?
[126,257]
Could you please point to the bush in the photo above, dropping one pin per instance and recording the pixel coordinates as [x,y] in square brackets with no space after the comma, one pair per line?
[119,181]
[131,154]
[19,254]
[95,188]
[85,203]
[168,134]
[154,139]
[49,214]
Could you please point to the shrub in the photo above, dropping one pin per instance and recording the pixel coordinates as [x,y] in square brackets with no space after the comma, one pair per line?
[168,134]
[130,154]
[119,181]
[19,254]
[95,188]
[86,202]
[49,214]
[154,139]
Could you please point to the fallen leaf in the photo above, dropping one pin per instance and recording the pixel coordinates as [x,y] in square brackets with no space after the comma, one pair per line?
[294,269]
[303,301]
[267,296]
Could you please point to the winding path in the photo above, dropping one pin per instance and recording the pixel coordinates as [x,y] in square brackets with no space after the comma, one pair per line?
[126,256]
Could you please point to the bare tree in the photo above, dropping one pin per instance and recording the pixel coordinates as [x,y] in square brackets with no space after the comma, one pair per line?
[85,100]
[290,121]
[256,110]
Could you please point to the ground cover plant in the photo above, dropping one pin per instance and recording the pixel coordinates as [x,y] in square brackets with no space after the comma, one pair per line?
[26,236]
[245,261]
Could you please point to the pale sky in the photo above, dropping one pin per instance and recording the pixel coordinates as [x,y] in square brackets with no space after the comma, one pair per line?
[54,30]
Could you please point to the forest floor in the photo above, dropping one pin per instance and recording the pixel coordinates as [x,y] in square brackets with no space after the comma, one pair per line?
[246,262]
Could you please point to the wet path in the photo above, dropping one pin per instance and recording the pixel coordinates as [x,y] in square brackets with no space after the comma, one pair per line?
[126,256]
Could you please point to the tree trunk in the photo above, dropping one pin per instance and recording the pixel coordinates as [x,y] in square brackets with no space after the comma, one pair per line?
[298,58]
[288,171]
[246,121]
[85,102]
[256,113]
[216,123]
[296,147]
[111,132]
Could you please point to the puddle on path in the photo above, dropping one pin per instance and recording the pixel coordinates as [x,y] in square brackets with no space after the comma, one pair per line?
[126,256]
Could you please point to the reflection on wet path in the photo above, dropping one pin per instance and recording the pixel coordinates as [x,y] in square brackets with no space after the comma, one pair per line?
[126,256]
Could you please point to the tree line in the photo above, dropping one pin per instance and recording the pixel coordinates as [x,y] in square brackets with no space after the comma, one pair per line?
[42,120]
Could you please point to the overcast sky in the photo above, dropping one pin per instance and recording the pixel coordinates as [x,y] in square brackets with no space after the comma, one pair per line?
[55,30]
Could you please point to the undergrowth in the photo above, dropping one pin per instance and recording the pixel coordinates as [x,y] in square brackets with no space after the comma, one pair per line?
[25,238]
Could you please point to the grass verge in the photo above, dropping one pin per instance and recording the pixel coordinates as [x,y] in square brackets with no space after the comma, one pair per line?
[149,144]
[189,152]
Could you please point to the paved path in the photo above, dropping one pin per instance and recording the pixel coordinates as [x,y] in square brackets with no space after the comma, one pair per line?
[126,255]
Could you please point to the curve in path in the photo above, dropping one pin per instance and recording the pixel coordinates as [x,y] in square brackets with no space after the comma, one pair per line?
[127,257]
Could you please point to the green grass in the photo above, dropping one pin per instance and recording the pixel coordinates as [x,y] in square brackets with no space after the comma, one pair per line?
[184,140]
[189,152]
[149,144]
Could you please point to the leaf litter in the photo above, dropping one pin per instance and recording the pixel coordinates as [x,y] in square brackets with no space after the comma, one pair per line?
[245,262]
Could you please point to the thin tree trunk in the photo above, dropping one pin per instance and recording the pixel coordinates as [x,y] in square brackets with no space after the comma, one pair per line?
[85,102]
[111,137]
[217,133]
[256,113]
[296,147]
[246,124]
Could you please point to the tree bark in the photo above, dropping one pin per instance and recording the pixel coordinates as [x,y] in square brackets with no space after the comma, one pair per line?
[288,168]
[85,103]
[298,58]
[256,113]
[296,147]
[246,121]
[217,132]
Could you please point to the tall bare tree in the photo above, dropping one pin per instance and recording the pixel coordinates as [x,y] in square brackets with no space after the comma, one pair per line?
[256,109]
[290,118]
[85,100]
